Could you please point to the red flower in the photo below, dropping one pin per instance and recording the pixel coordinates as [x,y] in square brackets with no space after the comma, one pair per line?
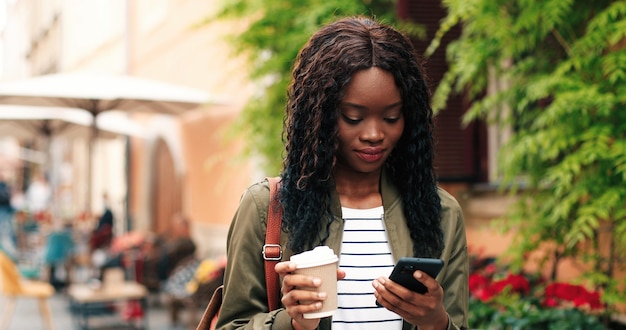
[518,283]
[479,286]
[550,302]
[564,291]
[483,287]
[477,281]
[593,298]
[575,294]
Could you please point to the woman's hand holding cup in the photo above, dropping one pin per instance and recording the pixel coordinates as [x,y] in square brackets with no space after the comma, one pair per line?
[309,291]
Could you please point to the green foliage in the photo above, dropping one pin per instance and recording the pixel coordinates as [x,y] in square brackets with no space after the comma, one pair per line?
[528,314]
[561,70]
[277,30]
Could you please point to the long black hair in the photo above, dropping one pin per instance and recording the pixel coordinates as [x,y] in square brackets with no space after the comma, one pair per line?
[323,68]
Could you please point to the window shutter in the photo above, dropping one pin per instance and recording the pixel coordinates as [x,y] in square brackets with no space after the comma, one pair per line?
[460,152]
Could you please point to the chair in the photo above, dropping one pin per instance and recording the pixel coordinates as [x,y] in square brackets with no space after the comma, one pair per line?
[13,287]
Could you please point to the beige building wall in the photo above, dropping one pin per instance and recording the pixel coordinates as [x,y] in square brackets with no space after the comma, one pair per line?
[167,41]
[171,44]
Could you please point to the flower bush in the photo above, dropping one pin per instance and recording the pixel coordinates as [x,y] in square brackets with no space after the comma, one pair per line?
[564,294]
[500,299]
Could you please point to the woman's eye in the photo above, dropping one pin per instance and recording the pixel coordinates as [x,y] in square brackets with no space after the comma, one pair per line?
[351,121]
[392,120]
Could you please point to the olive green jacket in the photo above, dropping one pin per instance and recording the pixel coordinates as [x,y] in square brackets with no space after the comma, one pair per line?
[245,300]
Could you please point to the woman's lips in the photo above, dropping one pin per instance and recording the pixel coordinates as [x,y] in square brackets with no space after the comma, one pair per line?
[370,155]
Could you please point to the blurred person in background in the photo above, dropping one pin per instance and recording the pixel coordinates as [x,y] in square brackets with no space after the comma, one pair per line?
[38,195]
[177,247]
[102,235]
[8,240]
[58,254]
[172,249]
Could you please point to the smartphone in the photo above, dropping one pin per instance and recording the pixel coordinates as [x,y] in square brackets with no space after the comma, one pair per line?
[403,271]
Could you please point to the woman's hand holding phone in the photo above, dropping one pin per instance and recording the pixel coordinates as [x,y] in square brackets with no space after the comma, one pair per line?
[403,272]
[415,295]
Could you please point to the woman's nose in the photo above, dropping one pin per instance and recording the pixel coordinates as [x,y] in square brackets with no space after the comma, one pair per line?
[372,132]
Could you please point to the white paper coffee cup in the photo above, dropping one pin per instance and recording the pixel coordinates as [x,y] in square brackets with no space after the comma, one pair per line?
[320,262]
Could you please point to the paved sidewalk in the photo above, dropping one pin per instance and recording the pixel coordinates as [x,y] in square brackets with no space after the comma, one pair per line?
[27,316]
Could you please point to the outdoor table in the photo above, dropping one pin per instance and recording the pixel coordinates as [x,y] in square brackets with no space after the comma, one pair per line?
[85,300]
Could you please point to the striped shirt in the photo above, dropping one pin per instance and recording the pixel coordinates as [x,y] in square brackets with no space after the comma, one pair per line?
[365,255]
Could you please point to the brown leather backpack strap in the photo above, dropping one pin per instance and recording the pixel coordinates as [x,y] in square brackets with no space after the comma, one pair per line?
[272,251]
[212,309]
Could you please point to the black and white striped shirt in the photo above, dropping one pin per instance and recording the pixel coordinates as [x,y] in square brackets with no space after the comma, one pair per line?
[365,255]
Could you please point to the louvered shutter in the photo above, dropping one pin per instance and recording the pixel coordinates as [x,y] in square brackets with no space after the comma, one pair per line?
[460,152]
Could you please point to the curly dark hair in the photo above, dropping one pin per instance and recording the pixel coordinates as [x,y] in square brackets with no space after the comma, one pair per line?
[323,68]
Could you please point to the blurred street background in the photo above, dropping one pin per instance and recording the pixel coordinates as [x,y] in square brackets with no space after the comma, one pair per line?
[130,128]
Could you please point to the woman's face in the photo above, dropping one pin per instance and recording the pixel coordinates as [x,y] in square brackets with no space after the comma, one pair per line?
[370,121]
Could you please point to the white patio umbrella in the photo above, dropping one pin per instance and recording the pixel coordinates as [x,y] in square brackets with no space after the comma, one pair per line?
[46,123]
[97,93]
[28,122]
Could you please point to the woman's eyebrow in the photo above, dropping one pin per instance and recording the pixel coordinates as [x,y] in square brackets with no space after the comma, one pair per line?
[360,106]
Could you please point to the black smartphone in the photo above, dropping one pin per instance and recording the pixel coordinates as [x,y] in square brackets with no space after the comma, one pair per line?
[403,271]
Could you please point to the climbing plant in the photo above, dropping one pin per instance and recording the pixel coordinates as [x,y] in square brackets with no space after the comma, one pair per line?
[554,72]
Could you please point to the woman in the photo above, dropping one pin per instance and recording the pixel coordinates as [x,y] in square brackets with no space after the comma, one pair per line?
[358,177]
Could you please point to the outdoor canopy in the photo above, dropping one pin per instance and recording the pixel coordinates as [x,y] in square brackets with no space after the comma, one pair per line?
[31,122]
[97,93]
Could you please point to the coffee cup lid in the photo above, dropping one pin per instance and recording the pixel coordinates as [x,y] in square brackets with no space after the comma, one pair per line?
[320,255]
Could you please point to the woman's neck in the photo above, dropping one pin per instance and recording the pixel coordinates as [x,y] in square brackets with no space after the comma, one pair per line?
[358,190]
